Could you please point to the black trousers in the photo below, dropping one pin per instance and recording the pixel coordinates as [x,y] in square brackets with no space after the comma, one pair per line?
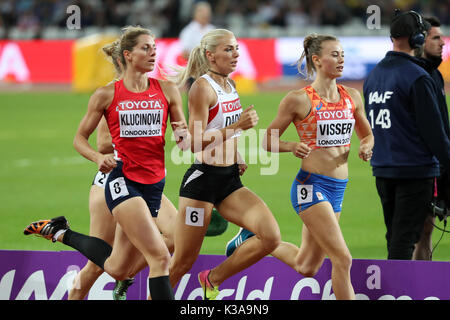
[406,204]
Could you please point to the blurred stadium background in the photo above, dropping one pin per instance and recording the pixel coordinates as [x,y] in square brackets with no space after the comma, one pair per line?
[48,71]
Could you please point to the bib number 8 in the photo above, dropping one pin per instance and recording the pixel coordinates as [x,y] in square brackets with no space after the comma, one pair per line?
[118,188]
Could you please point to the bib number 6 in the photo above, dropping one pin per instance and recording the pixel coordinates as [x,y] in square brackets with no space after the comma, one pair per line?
[195,216]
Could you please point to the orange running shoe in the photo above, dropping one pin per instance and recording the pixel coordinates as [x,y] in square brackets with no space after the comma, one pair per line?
[47,228]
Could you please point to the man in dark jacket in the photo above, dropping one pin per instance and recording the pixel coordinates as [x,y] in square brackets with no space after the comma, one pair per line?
[432,57]
[410,141]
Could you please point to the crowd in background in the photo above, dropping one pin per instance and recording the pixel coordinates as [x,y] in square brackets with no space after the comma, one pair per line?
[172,15]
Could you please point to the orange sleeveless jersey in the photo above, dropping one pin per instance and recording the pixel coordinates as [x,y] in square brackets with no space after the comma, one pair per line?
[327,124]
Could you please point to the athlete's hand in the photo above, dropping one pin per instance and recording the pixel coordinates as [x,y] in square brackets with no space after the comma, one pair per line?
[242,168]
[106,163]
[181,133]
[180,130]
[249,118]
[301,150]
[365,152]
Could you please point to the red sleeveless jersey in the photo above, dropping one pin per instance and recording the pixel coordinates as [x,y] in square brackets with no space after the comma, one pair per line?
[137,123]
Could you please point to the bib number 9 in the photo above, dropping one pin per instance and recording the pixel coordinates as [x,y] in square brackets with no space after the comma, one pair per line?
[304,193]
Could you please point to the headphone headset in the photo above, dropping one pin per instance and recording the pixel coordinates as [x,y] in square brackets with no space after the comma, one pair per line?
[417,39]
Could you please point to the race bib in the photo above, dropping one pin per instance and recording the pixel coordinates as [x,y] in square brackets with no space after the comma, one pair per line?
[231,113]
[335,127]
[332,133]
[118,188]
[304,193]
[141,123]
[195,216]
[100,179]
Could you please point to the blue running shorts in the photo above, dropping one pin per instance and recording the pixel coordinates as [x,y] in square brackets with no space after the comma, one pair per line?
[311,188]
[119,188]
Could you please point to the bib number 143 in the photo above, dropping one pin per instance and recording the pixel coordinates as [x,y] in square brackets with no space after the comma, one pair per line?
[383,118]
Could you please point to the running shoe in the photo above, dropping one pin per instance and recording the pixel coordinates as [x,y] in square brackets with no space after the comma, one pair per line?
[239,238]
[121,288]
[47,228]
[209,291]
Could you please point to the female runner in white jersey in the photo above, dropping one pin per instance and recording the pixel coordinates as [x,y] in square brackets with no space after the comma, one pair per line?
[324,114]
[215,122]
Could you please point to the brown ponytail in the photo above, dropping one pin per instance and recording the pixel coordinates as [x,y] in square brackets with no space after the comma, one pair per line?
[312,45]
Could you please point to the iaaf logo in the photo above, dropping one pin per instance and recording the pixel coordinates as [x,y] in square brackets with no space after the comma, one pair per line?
[37,284]
[140,104]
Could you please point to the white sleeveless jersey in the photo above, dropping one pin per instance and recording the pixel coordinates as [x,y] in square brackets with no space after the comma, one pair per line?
[227,110]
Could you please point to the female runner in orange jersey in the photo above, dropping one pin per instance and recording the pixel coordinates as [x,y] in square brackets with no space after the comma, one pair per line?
[324,115]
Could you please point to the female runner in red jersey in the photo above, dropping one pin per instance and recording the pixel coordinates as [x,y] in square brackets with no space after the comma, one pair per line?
[136,109]
[102,224]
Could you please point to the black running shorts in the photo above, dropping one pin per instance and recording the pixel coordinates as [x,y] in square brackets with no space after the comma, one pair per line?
[210,183]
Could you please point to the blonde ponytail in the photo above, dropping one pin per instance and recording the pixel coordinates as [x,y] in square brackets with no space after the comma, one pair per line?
[198,64]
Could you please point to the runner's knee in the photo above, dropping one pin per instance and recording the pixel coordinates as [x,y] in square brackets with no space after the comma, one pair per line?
[307,270]
[342,260]
[271,238]
[117,272]
[181,265]
[92,268]
[160,260]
